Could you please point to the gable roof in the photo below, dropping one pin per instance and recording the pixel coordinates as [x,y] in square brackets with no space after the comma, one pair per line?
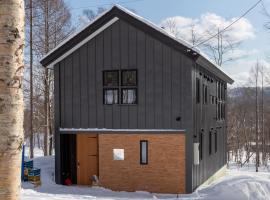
[103,21]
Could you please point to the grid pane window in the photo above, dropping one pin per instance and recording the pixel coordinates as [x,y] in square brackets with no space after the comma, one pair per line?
[111,78]
[111,96]
[129,78]
[129,96]
[114,92]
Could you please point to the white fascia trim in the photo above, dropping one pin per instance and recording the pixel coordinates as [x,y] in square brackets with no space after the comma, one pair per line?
[77,46]
[117,130]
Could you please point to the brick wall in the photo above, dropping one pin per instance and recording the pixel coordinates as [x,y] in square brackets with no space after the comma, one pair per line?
[164,173]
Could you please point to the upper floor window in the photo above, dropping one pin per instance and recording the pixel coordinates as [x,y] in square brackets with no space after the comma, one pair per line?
[120,86]
[198,90]
[221,94]
[205,93]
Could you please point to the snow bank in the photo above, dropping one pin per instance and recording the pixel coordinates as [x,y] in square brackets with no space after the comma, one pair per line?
[237,185]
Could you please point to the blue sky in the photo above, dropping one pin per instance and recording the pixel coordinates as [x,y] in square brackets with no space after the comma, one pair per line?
[158,10]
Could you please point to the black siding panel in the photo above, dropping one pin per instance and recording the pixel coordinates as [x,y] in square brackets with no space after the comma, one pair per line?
[132,64]
[99,82]
[158,93]
[107,60]
[124,65]
[84,87]
[57,119]
[141,40]
[68,114]
[116,60]
[76,95]
[149,82]
[92,84]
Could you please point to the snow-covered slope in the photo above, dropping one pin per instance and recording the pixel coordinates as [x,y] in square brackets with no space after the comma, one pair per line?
[237,185]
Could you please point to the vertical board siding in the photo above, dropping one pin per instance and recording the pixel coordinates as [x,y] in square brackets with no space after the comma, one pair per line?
[124,65]
[57,120]
[92,97]
[161,73]
[99,81]
[132,64]
[141,60]
[206,119]
[149,82]
[116,60]
[108,66]
[84,87]
[158,92]
[68,115]
[175,87]
[76,103]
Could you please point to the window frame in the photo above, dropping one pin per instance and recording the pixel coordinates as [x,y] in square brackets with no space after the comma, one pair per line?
[104,89]
[121,77]
[201,145]
[120,86]
[198,90]
[136,100]
[210,142]
[205,94]
[118,78]
[146,151]
[216,140]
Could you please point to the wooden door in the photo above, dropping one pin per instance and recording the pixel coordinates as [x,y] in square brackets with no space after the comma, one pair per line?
[87,158]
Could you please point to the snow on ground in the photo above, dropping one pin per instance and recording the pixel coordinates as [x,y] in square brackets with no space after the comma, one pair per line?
[239,183]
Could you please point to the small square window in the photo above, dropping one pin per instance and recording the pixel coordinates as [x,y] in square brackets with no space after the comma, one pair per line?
[118,154]
[129,96]
[111,78]
[129,78]
[110,96]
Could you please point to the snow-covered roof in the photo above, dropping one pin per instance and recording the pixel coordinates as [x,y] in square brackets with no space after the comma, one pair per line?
[181,41]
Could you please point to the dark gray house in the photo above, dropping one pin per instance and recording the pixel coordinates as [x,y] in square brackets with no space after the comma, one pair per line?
[136,108]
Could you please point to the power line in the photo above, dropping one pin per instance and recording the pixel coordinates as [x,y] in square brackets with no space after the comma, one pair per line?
[223,30]
[106,4]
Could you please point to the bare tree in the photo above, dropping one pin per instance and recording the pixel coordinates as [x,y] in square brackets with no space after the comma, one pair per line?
[51,21]
[220,48]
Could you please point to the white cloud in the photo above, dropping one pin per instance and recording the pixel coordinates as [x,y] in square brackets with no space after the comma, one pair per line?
[240,70]
[209,23]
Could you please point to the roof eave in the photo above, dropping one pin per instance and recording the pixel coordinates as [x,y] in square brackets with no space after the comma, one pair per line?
[214,69]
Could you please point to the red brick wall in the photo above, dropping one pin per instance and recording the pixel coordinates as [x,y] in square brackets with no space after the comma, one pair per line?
[164,173]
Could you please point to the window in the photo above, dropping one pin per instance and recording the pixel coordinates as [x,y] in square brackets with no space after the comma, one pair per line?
[129,78]
[215,141]
[114,92]
[198,90]
[129,96]
[220,107]
[111,78]
[118,154]
[210,142]
[143,152]
[204,94]
[110,96]
[201,145]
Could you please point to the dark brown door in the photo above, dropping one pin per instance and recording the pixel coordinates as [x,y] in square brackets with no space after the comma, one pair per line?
[87,158]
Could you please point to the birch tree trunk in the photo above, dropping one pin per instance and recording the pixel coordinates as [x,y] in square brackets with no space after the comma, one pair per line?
[11,98]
